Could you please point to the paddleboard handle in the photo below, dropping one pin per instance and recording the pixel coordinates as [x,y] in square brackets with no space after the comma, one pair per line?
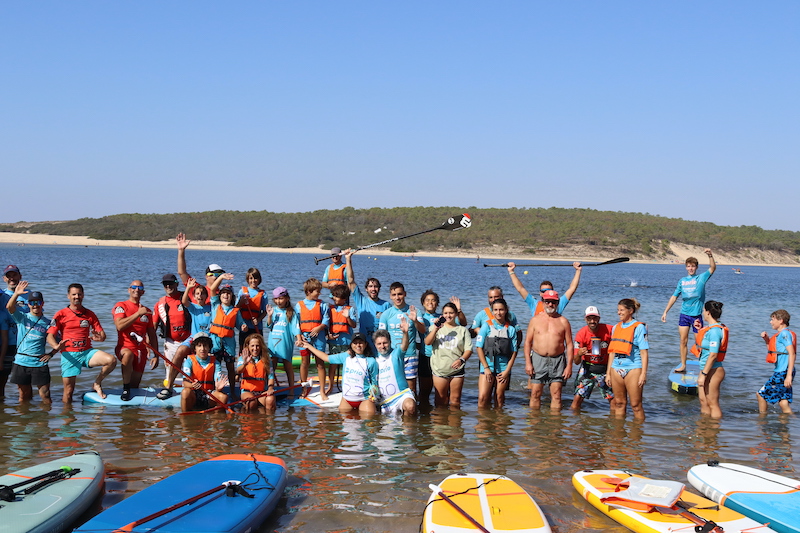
[713,462]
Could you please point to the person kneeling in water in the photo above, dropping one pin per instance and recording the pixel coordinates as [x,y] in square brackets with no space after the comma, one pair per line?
[395,394]
[206,375]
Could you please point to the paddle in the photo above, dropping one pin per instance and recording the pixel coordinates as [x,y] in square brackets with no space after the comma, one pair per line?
[452,224]
[7,491]
[609,262]
[228,405]
[179,369]
[463,513]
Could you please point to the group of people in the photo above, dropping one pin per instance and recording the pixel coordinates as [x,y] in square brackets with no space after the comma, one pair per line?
[392,355]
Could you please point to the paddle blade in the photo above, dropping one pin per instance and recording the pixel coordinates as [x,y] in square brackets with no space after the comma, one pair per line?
[460,222]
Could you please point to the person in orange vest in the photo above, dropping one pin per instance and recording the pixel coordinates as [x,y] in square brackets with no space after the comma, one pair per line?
[335,273]
[206,375]
[782,351]
[252,302]
[711,345]
[225,321]
[256,378]
[628,359]
[340,332]
[315,318]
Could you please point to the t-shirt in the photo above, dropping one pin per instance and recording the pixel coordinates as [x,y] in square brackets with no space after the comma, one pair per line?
[224,343]
[139,327]
[320,342]
[449,344]
[218,371]
[391,375]
[711,343]
[249,315]
[282,334]
[693,290]
[782,344]
[76,327]
[5,316]
[481,318]
[32,337]
[369,312]
[201,318]
[390,321]
[344,337]
[584,337]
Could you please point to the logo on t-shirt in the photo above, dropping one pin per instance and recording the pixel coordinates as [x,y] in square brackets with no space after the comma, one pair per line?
[84,324]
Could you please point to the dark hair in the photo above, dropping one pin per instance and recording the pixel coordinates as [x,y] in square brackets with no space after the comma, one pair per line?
[75,286]
[453,306]
[255,272]
[372,280]
[782,315]
[630,303]
[397,285]
[501,301]
[202,340]
[340,291]
[427,293]
[545,282]
[496,288]
[714,309]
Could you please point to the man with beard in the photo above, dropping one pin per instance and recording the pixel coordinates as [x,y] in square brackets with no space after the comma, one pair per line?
[548,352]
[369,307]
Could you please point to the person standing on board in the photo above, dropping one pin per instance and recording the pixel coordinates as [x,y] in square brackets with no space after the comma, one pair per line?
[12,277]
[212,271]
[782,351]
[369,307]
[134,322]
[252,301]
[693,290]
[172,319]
[548,352]
[537,305]
[336,272]
[78,327]
[591,353]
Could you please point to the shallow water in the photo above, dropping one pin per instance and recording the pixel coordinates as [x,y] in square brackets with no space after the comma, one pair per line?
[348,474]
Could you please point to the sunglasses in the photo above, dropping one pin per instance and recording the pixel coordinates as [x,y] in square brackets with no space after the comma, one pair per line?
[545,290]
[551,302]
[34,302]
[138,287]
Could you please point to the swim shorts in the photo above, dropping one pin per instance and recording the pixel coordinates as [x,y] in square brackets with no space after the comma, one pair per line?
[586,381]
[686,320]
[73,362]
[410,365]
[394,405]
[30,375]
[139,357]
[773,390]
[548,369]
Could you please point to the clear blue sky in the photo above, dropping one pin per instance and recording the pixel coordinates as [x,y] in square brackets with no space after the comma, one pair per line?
[682,108]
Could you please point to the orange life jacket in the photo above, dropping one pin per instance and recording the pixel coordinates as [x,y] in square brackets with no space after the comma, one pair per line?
[336,275]
[224,324]
[255,375]
[253,308]
[539,308]
[310,318]
[723,346]
[204,375]
[339,320]
[622,339]
[772,347]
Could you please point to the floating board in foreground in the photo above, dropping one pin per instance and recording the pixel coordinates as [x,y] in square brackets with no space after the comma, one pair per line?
[54,506]
[495,502]
[599,485]
[262,477]
[139,397]
[685,382]
[313,399]
[762,496]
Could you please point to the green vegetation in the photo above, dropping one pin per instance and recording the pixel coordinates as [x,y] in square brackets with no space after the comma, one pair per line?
[523,229]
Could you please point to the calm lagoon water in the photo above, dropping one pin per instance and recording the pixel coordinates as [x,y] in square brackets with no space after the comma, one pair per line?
[348,474]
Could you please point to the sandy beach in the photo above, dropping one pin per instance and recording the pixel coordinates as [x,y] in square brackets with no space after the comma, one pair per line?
[745,257]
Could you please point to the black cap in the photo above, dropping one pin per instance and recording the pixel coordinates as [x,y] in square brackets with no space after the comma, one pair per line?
[359,337]
[35,295]
[169,278]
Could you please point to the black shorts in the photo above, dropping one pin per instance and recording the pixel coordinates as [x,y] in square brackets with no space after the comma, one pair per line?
[30,375]
[424,367]
[201,402]
[8,360]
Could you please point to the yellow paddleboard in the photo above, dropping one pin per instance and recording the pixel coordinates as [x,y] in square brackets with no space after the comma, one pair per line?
[495,502]
[593,485]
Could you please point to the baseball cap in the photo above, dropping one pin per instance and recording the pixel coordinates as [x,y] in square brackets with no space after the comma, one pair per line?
[213,267]
[169,278]
[336,251]
[11,268]
[226,287]
[35,295]
[550,295]
[358,337]
[277,292]
[592,311]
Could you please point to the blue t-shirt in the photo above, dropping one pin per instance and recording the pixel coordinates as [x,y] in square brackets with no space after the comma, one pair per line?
[344,337]
[390,321]
[427,320]
[481,318]
[369,312]
[5,316]
[320,342]
[282,334]
[201,317]
[225,343]
[218,373]
[634,359]
[32,336]
[531,301]
[782,344]
[693,290]
[712,341]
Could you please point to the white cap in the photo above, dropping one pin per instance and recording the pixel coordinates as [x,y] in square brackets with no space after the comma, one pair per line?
[214,268]
[592,311]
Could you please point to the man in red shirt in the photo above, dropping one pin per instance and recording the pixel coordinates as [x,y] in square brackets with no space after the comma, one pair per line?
[133,320]
[591,350]
[78,327]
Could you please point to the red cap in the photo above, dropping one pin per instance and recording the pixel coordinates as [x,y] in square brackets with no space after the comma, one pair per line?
[550,295]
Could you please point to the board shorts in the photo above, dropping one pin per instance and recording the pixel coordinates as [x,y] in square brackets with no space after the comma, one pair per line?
[424,367]
[8,360]
[548,369]
[139,357]
[73,362]
[307,353]
[773,390]
[201,400]
[497,363]
[223,356]
[410,366]
[394,404]
[586,381]
[30,375]
[686,320]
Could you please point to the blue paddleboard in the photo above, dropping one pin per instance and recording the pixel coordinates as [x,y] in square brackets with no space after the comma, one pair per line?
[139,397]
[685,382]
[222,511]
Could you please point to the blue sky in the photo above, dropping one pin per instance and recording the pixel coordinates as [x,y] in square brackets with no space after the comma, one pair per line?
[682,109]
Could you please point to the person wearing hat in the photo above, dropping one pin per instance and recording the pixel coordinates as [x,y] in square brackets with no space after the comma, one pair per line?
[133,321]
[548,352]
[30,362]
[12,277]
[591,353]
[336,272]
[172,320]
[212,271]
[284,325]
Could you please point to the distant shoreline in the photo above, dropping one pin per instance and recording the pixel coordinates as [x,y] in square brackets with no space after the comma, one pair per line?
[679,251]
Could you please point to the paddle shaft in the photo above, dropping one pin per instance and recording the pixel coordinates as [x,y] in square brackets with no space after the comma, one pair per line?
[50,474]
[457,224]
[609,262]
[185,375]
[463,513]
[189,501]
[228,405]
[7,492]
[47,481]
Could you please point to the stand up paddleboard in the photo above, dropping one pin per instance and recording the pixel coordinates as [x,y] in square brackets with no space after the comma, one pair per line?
[139,397]
[685,382]
[227,494]
[651,505]
[65,489]
[313,399]
[762,496]
[482,502]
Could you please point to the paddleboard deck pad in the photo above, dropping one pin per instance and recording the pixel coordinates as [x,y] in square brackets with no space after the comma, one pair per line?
[494,501]
[598,485]
[223,511]
[139,398]
[55,506]
[762,496]
[685,382]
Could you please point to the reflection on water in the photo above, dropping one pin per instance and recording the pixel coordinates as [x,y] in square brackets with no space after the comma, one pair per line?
[349,474]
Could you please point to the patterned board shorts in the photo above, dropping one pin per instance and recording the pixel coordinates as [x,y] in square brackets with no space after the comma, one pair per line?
[773,390]
[585,382]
